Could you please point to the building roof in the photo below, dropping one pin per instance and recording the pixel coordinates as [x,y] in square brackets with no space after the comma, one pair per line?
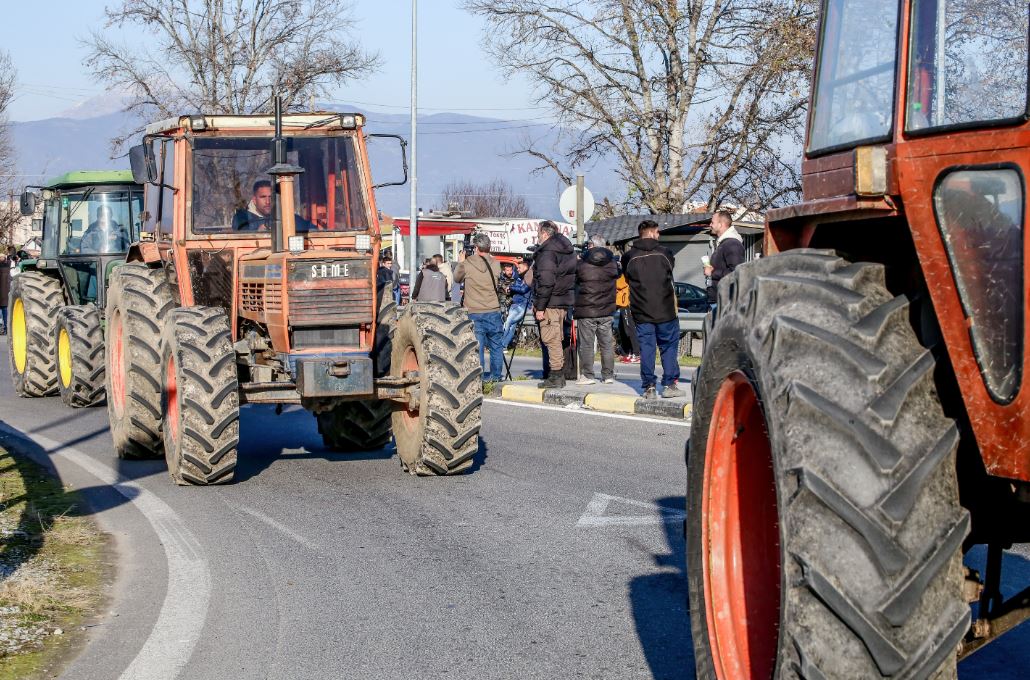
[624,227]
[80,178]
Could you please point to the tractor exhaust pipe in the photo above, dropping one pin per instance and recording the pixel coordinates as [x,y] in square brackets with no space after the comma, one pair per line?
[282,177]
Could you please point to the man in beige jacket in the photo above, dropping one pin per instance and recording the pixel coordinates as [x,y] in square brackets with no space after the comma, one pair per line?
[480,273]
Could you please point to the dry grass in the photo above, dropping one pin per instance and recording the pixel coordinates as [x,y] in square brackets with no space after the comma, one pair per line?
[52,569]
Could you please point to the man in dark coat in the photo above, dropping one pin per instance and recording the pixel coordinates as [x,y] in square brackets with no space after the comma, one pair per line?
[652,296]
[554,293]
[5,289]
[596,274]
[728,255]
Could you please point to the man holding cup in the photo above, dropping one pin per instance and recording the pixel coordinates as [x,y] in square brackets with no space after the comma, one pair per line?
[728,254]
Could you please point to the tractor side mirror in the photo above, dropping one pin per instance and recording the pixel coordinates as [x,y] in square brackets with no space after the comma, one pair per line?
[28,203]
[404,161]
[141,161]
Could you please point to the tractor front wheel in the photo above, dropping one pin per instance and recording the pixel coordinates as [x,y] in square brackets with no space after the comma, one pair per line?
[79,338]
[201,400]
[34,301]
[824,530]
[439,433]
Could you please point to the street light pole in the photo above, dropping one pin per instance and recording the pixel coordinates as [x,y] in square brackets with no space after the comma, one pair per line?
[413,214]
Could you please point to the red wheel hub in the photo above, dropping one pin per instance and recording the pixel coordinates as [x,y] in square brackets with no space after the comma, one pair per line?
[740,537]
[117,367]
[172,397]
[411,414]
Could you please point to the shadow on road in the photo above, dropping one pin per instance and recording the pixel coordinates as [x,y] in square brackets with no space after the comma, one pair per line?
[660,606]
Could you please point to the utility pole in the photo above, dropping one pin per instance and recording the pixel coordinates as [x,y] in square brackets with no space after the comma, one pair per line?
[413,208]
[580,234]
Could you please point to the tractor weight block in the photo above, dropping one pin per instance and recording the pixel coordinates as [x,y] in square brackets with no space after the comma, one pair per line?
[343,377]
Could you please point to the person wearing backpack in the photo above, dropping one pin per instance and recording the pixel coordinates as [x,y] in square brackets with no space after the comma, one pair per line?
[480,273]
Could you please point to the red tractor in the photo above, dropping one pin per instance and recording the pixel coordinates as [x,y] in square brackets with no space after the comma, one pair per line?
[255,283]
[859,421]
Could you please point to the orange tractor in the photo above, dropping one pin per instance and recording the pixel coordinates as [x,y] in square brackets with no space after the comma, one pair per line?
[859,420]
[255,283]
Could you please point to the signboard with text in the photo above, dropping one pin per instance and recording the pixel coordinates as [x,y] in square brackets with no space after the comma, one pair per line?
[516,236]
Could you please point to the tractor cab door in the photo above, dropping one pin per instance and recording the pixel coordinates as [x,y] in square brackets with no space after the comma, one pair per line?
[963,156]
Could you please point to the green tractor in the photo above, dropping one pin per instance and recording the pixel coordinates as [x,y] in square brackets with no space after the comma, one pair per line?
[57,300]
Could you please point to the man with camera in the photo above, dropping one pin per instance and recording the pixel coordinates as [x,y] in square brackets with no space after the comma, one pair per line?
[554,293]
[480,272]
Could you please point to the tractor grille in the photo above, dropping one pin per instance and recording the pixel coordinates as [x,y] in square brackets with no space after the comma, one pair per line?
[252,296]
[273,297]
[313,338]
[329,306]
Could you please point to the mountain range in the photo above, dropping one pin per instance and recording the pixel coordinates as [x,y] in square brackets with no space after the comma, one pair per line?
[451,146]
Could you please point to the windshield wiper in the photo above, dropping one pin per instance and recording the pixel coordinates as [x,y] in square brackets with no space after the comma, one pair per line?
[324,121]
[89,192]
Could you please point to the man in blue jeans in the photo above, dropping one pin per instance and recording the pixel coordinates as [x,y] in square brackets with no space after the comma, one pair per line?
[652,299]
[521,298]
[480,273]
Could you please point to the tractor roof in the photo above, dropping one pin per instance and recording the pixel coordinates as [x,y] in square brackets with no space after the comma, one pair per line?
[80,178]
[323,120]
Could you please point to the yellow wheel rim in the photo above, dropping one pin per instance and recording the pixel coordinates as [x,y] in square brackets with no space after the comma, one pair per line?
[18,335]
[64,357]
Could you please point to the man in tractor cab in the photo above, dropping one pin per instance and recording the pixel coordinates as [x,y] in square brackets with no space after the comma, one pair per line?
[104,234]
[257,216]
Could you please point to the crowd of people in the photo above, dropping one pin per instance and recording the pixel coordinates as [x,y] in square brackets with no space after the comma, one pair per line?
[620,303]
[8,269]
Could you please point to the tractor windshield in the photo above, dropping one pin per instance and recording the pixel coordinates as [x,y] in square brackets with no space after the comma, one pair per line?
[854,90]
[232,189]
[968,63]
[94,222]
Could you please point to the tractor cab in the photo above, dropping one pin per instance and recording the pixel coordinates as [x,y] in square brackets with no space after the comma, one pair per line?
[89,220]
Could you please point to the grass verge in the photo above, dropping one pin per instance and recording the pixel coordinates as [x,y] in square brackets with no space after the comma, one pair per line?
[53,569]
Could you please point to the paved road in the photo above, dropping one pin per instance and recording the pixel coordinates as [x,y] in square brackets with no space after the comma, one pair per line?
[320,565]
[558,556]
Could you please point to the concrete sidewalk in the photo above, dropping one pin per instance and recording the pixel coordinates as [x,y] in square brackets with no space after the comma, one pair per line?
[623,396]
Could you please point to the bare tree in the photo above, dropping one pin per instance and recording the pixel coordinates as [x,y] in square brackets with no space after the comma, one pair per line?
[696,99]
[226,56]
[495,198]
[9,213]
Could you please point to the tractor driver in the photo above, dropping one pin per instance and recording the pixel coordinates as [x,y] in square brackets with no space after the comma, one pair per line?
[104,234]
[258,214]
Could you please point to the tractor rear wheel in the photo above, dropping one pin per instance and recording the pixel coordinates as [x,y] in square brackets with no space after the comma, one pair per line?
[34,301]
[201,396]
[138,300]
[353,426]
[79,337]
[440,435]
[824,530]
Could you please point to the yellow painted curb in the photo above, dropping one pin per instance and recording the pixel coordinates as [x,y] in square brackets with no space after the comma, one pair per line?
[526,393]
[612,403]
[687,411]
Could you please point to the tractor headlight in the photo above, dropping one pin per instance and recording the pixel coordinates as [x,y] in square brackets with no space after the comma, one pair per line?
[363,242]
[295,244]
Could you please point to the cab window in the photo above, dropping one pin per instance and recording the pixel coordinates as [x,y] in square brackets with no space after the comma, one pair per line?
[968,63]
[855,77]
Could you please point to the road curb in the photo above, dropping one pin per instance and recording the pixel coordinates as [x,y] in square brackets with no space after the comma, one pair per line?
[596,401]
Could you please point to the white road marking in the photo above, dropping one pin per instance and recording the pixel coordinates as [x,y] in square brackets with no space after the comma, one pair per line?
[307,543]
[175,633]
[594,515]
[582,411]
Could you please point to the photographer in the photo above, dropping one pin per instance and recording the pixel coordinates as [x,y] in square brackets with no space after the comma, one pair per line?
[480,273]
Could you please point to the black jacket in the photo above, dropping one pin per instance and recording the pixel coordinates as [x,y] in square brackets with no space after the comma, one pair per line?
[595,284]
[554,274]
[727,256]
[648,268]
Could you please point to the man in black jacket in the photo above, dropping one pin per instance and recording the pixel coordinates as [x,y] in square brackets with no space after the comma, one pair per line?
[595,303]
[554,283]
[728,255]
[652,299]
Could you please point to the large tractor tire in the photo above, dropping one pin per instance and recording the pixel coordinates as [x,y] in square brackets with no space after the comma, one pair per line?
[201,396]
[824,530]
[33,304]
[138,300]
[440,435]
[353,426]
[79,336]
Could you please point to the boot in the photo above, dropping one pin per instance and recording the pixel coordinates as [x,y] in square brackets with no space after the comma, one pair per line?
[553,381]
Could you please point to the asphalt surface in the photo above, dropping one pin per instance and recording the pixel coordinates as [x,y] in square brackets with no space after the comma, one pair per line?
[559,555]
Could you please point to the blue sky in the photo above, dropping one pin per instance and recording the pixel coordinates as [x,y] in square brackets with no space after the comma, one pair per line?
[455,74]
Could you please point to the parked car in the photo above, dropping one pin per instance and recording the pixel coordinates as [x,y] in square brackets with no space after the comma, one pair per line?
[692,302]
